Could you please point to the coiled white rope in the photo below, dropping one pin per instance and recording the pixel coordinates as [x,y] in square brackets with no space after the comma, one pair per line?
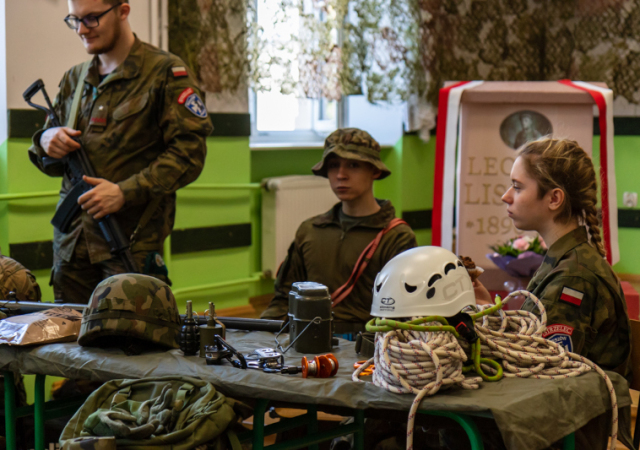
[422,362]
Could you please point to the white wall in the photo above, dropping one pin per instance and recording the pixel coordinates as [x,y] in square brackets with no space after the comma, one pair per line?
[3,78]
[40,45]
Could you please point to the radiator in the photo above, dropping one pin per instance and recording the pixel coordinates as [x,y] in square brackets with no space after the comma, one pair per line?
[286,203]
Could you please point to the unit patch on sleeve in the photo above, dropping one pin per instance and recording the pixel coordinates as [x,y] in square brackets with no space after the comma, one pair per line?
[571,296]
[179,71]
[196,106]
[183,95]
[560,334]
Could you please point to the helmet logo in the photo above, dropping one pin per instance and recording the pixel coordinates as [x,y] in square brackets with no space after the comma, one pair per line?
[453,289]
[387,301]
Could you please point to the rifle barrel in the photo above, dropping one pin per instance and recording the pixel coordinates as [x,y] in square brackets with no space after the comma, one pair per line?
[232,323]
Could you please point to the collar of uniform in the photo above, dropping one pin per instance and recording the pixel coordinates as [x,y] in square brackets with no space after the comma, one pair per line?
[567,243]
[377,220]
[128,69]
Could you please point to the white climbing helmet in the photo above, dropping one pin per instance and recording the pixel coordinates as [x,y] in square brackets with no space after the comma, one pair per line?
[420,282]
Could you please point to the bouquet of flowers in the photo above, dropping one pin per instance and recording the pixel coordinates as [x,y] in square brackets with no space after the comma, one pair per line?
[519,256]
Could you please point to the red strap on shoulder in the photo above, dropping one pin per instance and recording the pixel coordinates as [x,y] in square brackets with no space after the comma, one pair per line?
[363,261]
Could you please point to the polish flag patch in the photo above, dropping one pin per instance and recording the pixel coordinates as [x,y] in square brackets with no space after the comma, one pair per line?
[184,95]
[179,71]
[571,296]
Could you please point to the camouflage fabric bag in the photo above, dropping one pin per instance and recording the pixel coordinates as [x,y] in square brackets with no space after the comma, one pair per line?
[153,413]
[131,311]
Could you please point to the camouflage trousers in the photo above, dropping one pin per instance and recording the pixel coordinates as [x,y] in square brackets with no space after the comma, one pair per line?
[75,280]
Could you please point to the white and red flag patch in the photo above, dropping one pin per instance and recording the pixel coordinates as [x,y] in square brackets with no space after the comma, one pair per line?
[571,296]
[179,71]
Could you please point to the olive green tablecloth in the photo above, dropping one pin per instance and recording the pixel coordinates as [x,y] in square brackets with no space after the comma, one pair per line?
[530,413]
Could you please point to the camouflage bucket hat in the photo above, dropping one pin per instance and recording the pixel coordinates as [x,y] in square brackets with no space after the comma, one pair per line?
[352,143]
[130,308]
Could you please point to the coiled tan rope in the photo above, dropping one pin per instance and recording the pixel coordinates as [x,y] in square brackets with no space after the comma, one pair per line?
[425,355]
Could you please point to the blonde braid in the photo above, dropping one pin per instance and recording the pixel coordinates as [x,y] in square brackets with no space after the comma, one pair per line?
[592,224]
[563,164]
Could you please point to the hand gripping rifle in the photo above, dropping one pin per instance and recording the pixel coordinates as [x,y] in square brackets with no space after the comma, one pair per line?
[76,164]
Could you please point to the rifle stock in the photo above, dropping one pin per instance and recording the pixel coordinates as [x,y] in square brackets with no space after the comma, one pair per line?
[76,164]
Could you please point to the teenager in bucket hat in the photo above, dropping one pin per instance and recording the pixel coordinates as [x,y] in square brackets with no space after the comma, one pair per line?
[326,247]
[355,144]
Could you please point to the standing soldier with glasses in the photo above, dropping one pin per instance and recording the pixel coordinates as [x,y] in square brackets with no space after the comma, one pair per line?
[143,124]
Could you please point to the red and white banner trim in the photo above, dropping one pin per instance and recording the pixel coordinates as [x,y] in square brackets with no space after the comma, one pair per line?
[447,134]
[603,98]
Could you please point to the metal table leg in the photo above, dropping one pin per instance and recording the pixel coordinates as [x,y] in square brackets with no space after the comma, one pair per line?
[312,427]
[10,415]
[466,423]
[358,436]
[38,411]
[258,423]
[569,442]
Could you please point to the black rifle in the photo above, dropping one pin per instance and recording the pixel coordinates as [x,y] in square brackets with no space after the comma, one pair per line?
[14,307]
[76,164]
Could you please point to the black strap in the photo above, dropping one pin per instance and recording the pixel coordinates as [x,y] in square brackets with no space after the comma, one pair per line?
[129,315]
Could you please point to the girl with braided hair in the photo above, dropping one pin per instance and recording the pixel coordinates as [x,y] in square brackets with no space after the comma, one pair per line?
[553,191]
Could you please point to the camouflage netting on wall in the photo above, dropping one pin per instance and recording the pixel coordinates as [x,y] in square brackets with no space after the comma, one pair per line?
[402,49]
[343,47]
[528,40]
[211,37]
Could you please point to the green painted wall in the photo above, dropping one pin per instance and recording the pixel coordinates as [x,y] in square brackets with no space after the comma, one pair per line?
[230,160]
[627,170]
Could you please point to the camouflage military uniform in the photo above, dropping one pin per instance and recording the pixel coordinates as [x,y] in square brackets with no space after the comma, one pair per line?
[144,128]
[17,278]
[325,250]
[327,247]
[585,306]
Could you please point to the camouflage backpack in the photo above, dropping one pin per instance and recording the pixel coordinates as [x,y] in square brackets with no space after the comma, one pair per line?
[152,413]
[131,311]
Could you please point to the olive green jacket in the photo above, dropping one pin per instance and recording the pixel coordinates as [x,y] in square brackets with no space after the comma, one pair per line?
[325,250]
[137,132]
[584,302]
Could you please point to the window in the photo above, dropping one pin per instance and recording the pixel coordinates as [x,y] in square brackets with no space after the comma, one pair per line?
[277,117]
[293,120]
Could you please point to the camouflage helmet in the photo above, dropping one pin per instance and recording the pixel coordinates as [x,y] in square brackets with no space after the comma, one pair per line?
[14,277]
[352,143]
[131,311]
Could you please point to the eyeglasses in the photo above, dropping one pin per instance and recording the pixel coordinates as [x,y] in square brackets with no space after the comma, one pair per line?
[89,21]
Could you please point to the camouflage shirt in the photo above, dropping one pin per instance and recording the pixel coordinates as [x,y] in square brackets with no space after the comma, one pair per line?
[586,309]
[17,278]
[325,250]
[144,128]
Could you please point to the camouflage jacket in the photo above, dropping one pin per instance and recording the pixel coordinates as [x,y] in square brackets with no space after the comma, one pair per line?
[325,250]
[586,309]
[15,277]
[144,128]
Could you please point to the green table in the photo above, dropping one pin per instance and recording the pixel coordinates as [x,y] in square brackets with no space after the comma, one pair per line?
[508,402]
